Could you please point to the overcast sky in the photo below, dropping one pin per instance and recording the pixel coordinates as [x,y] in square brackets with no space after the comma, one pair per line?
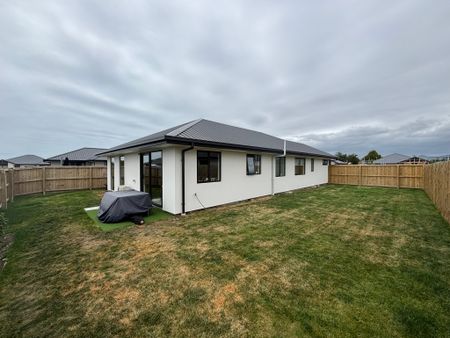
[344,76]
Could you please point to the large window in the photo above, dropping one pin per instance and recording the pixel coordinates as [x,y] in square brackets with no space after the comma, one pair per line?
[253,164]
[280,166]
[112,172]
[122,170]
[312,164]
[299,166]
[208,166]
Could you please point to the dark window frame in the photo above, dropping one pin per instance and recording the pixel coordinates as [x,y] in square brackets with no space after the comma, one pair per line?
[303,172]
[280,170]
[312,165]
[150,187]
[325,162]
[219,166]
[256,159]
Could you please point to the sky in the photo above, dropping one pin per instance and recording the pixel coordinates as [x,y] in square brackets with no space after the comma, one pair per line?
[346,76]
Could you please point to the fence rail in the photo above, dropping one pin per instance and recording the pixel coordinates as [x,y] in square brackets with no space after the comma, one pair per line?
[27,181]
[397,176]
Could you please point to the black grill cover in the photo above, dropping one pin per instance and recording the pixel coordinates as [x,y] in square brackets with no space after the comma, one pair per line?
[119,205]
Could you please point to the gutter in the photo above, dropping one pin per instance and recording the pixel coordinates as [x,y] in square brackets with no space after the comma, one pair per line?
[183,179]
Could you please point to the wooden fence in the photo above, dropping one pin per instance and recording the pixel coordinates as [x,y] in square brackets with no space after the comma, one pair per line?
[396,176]
[17,182]
[437,186]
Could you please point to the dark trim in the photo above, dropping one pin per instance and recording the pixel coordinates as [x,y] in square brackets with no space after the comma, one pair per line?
[183,179]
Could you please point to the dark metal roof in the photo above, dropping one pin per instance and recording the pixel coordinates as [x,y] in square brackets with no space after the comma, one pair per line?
[27,160]
[206,132]
[392,159]
[83,154]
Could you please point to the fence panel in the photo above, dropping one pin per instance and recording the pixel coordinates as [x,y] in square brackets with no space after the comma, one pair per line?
[398,176]
[3,191]
[27,181]
[437,186]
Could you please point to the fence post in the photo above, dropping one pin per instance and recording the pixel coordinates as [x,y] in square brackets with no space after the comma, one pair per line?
[90,178]
[43,180]
[398,176]
[13,190]
[360,174]
[6,188]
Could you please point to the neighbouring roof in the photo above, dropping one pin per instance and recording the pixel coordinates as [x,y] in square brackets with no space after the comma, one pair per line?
[397,158]
[206,132]
[27,160]
[83,154]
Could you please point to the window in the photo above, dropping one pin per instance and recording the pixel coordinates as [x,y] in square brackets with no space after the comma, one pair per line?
[325,162]
[112,173]
[122,170]
[280,166]
[299,166]
[253,164]
[312,165]
[208,166]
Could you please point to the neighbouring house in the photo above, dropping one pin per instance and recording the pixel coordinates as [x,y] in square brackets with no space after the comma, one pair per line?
[202,164]
[401,159]
[80,157]
[335,161]
[24,161]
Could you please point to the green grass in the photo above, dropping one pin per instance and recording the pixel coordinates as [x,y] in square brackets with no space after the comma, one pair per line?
[334,261]
[155,215]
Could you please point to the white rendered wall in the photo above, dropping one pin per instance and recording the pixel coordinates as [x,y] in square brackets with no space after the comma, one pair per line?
[132,171]
[116,173]
[171,180]
[108,173]
[235,184]
[292,181]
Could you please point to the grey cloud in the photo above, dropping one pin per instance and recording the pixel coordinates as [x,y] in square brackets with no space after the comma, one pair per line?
[344,76]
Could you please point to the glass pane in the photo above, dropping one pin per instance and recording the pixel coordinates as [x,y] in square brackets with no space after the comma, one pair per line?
[257,164]
[250,165]
[122,170]
[156,177]
[202,172]
[214,169]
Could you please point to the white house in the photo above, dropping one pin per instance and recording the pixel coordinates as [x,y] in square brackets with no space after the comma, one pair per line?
[202,164]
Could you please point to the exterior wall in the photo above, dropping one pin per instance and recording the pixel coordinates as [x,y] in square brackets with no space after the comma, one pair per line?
[171,180]
[116,172]
[108,173]
[132,171]
[235,184]
[292,181]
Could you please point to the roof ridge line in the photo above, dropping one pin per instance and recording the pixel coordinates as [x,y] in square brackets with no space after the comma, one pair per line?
[183,128]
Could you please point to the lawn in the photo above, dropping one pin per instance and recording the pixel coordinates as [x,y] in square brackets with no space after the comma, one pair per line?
[333,261]
[155,215]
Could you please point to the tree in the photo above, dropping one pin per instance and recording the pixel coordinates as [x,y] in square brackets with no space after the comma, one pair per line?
[372,156]
[341,157]
[353,159]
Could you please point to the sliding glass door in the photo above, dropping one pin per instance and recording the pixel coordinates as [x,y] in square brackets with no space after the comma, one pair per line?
[151,175]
